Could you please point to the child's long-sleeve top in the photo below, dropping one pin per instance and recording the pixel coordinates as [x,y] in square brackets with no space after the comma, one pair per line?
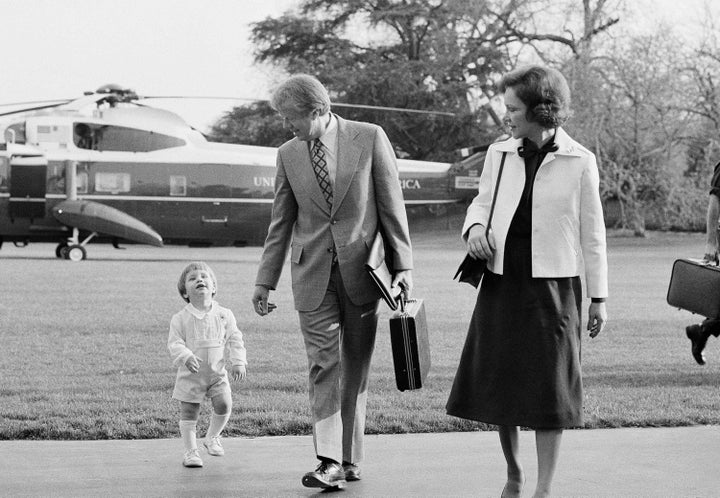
[192,330]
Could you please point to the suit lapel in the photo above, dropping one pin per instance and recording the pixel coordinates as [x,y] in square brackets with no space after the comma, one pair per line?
[303,174]
[349,152]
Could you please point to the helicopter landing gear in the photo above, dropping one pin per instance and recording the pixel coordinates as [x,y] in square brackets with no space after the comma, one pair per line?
[73,249]
[59,250]
[75,252]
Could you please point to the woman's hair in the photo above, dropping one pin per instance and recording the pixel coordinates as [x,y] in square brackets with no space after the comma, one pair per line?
[543,90]
[195,265]
[301,92]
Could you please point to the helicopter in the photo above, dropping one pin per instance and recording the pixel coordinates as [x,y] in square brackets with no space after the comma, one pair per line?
[104,166]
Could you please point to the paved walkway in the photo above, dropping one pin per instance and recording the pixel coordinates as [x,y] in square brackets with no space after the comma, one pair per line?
[664,462]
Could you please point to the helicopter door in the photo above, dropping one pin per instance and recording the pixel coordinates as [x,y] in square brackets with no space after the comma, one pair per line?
[27,180]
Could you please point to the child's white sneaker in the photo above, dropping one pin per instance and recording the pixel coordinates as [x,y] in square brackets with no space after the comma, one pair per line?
[192,459]
[214,447]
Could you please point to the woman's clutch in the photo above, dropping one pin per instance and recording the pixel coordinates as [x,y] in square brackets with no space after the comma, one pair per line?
[471,270]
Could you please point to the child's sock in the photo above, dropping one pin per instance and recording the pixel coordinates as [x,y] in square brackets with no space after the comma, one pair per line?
[217,424]
[188,430]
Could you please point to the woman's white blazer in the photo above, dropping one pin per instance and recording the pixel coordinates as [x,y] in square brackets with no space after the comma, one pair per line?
[568,227]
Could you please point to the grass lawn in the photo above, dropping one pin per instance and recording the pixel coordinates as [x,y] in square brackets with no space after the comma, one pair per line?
[84,354]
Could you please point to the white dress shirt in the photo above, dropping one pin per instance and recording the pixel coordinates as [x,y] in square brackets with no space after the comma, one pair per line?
[329,140]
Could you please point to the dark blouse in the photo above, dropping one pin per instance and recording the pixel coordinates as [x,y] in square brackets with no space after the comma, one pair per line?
[521,225]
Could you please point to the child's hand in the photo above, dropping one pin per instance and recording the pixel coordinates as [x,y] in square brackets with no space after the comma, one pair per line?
[237,372]
[193,364]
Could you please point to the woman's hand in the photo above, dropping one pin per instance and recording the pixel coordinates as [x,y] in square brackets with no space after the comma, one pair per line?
[597,318]
[480,246]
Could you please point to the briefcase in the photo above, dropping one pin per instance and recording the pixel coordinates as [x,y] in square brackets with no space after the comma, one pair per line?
[695,286]
[410,347]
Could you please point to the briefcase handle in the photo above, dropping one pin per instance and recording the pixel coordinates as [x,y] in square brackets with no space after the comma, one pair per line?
[402,300]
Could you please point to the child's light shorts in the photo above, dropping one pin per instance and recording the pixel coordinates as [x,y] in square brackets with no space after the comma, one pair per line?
[194,388]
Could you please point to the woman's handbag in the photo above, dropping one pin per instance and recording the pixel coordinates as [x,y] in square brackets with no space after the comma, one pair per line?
[471,270]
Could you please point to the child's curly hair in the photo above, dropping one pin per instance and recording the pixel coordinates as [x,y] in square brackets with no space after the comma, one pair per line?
[195,265]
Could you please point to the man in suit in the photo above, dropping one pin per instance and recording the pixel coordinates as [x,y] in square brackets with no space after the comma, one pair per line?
[336,185]
[701,332]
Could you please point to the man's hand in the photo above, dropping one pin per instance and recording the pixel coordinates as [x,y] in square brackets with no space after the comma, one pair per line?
[403,280]
[238,372]
[193,364]
[260,300]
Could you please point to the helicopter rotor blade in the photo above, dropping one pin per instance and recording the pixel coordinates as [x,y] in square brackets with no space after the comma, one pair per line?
[335,104]
[393,109]
[35,108]
[50,101]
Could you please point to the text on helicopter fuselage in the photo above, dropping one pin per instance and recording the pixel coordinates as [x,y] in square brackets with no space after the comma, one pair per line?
[269,181]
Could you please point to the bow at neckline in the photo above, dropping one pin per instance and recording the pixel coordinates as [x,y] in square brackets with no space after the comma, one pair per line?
[530,149]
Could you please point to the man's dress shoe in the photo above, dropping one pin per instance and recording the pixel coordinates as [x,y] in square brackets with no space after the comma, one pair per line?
[327,475]
[352,471]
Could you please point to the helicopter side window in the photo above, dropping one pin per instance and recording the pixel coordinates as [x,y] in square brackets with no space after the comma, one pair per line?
[113,183]
[3,174]
[82,182]
[178,185]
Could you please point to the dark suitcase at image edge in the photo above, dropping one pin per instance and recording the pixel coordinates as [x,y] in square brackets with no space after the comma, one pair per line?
[410,347]
[695,287]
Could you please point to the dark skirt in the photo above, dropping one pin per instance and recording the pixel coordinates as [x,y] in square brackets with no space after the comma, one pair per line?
[521,360]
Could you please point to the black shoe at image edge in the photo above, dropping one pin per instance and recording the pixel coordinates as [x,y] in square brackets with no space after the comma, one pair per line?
[698,340]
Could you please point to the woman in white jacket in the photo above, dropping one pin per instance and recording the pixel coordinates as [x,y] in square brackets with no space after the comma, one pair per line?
[521,362]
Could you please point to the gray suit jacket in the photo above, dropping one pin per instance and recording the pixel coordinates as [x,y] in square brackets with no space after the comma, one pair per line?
[366,195]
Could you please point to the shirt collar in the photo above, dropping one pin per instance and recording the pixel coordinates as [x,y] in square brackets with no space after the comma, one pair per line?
[329,138]
[197,313]
[566,145]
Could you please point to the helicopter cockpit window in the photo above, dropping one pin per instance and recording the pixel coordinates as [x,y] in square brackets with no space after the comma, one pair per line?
[121,138]
[83,136]
[15,133]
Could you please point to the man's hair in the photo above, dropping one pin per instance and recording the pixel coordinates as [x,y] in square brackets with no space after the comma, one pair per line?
[303,93]
[195,265]
[543,90]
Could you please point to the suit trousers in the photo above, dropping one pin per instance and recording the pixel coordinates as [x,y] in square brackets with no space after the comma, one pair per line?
[339,340]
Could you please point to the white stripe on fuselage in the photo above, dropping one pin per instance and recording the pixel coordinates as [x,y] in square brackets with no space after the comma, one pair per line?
[233,200]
